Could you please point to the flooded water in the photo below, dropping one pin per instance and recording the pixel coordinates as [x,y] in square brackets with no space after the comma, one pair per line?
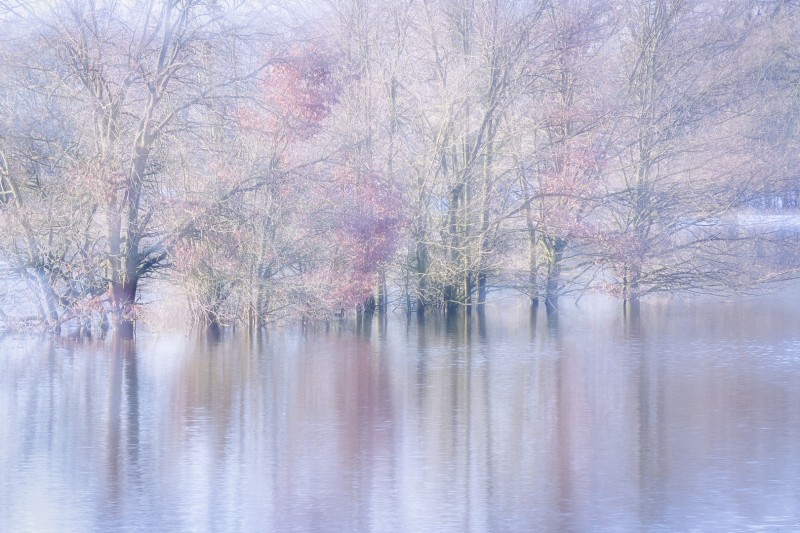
[685,417]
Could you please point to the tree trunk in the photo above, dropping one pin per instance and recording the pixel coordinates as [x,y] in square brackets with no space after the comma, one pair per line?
[421,253]
[382,299]
[481,291]
[451,289]
[368,307]
[552,288]
[630,287]
[533,282]
[39,281]
[124,278]
[123,299]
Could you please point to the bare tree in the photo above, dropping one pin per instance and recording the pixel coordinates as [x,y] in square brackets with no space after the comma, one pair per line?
[45,211]
[132,75]
[562,157]
[679,163]
[437,149]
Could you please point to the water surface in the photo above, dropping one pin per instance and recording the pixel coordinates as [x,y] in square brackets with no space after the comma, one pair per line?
[685,417]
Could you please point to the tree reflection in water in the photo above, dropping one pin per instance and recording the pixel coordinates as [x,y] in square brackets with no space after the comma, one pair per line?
[675,416]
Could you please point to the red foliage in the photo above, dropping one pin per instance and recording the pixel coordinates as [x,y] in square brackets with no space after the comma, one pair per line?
[301,90]
[367,222]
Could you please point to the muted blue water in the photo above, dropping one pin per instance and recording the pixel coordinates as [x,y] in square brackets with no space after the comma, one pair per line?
[683,418]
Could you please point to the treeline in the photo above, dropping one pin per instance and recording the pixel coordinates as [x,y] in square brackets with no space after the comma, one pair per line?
[265,162]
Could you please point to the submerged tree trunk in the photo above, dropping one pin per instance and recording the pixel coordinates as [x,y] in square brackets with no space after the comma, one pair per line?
[47,298]
[33,265]
[421,256]
[552,288]
[367,308]
[630,287]
[451,299]
[381,301]
[533,267]
[123,300]
[482,289]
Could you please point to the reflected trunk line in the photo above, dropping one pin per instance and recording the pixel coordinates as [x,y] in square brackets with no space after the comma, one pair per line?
[565,489]
[114,445]
[123,396]
[686,420]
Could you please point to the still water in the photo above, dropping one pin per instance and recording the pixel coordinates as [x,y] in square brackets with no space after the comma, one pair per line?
[685,417]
